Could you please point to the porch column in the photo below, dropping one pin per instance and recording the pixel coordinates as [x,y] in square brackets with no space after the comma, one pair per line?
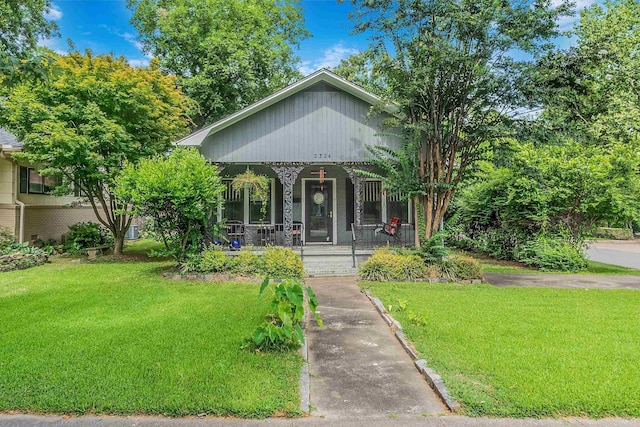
[358,196]
[287,175]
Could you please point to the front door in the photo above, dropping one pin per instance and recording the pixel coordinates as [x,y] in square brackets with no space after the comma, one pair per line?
[319,211]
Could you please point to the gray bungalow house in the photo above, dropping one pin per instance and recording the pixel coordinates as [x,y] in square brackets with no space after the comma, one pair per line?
[309,138]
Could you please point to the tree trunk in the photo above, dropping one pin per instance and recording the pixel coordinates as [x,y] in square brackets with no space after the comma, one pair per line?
[416,221]
[118,243]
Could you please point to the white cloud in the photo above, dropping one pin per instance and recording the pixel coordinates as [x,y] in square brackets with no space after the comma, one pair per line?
[331,57]
[53,14]
[138,62]
[52,44]
[566,23]
[131,38]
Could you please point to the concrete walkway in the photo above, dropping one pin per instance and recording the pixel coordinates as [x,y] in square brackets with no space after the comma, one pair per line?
[358,369]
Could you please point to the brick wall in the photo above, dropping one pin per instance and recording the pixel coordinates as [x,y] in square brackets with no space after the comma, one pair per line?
[51,222]
[9,217]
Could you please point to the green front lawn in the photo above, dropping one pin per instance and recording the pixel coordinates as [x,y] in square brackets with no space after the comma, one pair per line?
[526,352]
[115,337]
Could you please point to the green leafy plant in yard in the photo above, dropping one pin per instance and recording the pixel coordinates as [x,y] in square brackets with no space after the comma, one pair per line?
[85,235]
[465,268]
[552,254]
[245,263]
[213,260]
[281,330]
[282,263]
[385,265]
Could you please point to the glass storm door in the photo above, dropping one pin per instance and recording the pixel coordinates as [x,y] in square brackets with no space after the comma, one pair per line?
[319,211]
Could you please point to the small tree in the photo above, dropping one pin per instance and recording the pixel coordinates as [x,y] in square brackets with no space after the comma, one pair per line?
[91,116]
[180,192]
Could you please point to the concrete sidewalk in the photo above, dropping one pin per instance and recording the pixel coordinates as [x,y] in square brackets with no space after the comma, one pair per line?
[358,368]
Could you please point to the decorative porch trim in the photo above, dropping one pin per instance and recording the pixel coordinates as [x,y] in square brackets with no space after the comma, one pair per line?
[358,194]
[287,174]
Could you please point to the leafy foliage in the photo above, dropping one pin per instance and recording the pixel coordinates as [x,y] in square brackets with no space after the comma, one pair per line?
[22,23]
[90,117]
[281,329]
[384,265]
[561,191]
[85,235]
[276,262]
[227,54]
[591,91]
[180,192]
[553,254]
[419,46]
[257,185]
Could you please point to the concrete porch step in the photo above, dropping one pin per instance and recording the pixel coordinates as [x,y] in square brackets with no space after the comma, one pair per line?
[319,272]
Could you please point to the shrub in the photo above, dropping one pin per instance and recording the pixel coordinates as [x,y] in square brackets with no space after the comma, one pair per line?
[281,330]
[613,233]
[21,261]
[384,265]
[282,263]
[213,260]
[465,268]
[85,235]
[246,263]
[553,254]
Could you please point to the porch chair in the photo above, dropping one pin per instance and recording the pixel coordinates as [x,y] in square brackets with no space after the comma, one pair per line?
[392,228]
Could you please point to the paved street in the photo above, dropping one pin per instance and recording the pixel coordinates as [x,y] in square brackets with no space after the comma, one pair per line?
[625,253]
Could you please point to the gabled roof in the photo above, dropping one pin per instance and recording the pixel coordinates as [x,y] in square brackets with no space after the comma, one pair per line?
[9,142]
[323,75]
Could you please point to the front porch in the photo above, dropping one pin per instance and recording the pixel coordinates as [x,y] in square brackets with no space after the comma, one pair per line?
[310,203]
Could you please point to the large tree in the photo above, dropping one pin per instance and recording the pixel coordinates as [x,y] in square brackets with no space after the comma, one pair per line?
[451,67]
[91,116]
[592,91]
[226,53]
[22,23]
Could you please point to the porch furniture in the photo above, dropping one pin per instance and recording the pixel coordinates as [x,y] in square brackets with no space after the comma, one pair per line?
[392,228]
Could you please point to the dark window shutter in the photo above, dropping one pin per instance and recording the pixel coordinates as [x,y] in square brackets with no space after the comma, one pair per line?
[24,179]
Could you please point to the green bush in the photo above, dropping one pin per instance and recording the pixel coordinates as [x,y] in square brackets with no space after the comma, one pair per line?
[275,262]
[246,263]
[613,233]
[552,254]
[384,265]
[85,235]
[282,263]
[213,260]
[465,268]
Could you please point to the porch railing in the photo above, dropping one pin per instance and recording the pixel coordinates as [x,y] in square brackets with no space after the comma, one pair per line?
[370,236]
[263,234]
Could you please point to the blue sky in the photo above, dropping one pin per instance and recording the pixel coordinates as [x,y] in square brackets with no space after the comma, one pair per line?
[103,26]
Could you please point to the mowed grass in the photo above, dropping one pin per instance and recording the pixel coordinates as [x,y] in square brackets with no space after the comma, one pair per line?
[117,338]
[526,352]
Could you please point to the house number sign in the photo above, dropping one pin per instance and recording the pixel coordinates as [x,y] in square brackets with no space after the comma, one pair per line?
[318,198]
[321,155]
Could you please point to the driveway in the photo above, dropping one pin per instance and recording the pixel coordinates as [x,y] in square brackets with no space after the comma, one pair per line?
[625,253]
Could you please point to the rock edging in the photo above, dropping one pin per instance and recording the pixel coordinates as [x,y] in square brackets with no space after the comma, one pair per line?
[20,261]
[432,377]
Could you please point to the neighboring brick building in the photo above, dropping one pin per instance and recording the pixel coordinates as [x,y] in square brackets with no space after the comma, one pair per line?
[26,208]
